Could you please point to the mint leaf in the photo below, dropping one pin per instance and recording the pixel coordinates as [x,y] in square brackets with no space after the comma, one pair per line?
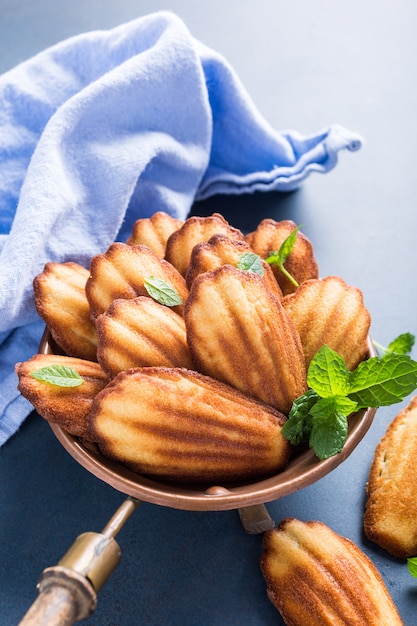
[382,381]
[412,566]
[328,374]
[279,257]
[403,344]
[298,426]
[329,429]
[59,375]
[161,291]
[250,262]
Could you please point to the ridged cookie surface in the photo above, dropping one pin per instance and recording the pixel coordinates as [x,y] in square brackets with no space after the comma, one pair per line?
[328,311]
[195,230]
[154,231]
[238,332]
[140,333]
[390,518]
[177,425]
[61,302]
[315,577]
[301,263]
[65,406]
[221,250]
[121,272]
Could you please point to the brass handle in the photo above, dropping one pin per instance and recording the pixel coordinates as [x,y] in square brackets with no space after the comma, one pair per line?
[68,591]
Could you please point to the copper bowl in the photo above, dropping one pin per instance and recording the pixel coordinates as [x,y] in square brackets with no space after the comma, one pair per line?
[303,469]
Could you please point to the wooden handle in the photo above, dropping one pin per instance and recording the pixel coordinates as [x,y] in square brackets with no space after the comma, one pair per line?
[68,591]
[64,597]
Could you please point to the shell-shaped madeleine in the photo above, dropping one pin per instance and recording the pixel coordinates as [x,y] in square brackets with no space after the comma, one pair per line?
[391,506]
[178,425]
[154,231]
[328,311]
[140,333]
[301,263]
[221,250]
[195,230]
[121,272]
[238,332]
[61,302]
[316,577]
[65,406]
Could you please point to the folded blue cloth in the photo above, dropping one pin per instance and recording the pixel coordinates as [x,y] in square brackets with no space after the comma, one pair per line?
[110,126]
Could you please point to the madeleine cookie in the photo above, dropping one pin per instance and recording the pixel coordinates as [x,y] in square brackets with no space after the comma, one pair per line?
[221,250]
[239,332]
[301,263]
[390,518]
[154,231]
[61,302]
[316,577]
[121,272]
[328,311]
[195,230]
[178,425]
[140,333]
[65,406]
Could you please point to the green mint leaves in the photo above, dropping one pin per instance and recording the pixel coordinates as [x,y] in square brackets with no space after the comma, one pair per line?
[59,375]
[279,257]
[412,566]
[250,262]
[162,292]
[403,344]
[319,416]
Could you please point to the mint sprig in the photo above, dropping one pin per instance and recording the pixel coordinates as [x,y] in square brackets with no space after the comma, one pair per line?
[278,257]
[162,291]
[403,344]
[250,262]
[319,416]
[59,375]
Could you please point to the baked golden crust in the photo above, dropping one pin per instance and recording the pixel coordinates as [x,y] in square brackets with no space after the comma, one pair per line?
[301,263]
[328,311]
[65,406]
[238,332]
[316,577]
[390,518]
[139,333]
[154,231]
[195,230]
[121,273]
[178,425]
[61,302]
[221,250]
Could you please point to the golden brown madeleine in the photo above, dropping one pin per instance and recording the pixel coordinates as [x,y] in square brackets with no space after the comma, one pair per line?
[139,333]
[195,230]
[221,250]
[328,311]
[178,425]
[121,272]
[154,231]
[65,406]
[301,263]
[316,577]
[62,304]
[239,332]
[390,518]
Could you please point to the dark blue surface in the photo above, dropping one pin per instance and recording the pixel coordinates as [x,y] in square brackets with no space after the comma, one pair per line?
[306,64]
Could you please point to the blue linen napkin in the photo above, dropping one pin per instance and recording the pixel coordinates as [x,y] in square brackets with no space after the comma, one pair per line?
[110,126]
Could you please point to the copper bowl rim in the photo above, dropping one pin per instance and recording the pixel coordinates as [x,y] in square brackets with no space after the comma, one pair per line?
[303,469]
